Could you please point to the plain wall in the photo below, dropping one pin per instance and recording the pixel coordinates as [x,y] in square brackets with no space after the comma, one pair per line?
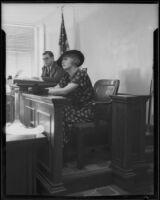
[116,39]
[118,43]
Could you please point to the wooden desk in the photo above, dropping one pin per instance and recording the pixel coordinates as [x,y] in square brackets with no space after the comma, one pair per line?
[128,139]
[37,85]
[31,83]
[47,111]
[21,165]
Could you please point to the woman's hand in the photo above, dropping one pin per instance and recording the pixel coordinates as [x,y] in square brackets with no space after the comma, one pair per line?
[62,91]
[51,90]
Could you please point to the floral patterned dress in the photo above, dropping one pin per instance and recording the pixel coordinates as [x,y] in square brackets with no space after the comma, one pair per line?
[80,109]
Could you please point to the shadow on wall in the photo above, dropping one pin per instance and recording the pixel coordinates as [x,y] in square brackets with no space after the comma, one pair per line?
[134,82]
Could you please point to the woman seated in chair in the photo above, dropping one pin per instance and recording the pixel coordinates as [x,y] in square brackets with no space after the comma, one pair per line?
[76,85]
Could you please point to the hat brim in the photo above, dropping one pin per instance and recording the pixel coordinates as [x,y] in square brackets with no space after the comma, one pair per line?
[79,54]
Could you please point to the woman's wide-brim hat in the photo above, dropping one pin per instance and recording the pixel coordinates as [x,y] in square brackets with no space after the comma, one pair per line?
[77,53]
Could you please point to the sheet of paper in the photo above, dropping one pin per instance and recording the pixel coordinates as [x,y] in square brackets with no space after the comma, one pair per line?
[17,128]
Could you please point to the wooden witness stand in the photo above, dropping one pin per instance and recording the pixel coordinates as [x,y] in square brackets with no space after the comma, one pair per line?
[128,137]
[47,111]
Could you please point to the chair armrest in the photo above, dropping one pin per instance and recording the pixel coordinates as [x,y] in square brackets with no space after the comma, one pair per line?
[96,102]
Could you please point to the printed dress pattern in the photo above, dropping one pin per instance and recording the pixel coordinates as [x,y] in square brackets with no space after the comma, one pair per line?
[80,109]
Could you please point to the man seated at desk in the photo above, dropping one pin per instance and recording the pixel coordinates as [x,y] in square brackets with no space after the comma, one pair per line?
[51,72]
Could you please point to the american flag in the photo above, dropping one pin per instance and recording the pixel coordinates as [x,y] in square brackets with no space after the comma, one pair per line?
[63,42]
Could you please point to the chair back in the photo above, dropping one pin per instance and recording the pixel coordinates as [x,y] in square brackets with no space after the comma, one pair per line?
[104,88]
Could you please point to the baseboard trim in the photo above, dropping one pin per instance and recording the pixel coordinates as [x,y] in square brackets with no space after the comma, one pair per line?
[50,187]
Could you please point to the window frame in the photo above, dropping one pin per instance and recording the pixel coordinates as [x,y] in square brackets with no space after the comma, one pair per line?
[39,45]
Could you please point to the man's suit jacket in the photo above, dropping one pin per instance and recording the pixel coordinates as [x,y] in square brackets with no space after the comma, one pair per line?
[54,75]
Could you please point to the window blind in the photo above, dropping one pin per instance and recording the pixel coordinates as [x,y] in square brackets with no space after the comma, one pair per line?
[19,50]
[19,38]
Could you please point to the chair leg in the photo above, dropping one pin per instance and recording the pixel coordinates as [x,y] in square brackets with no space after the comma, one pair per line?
[97,125]
[65,155]
[80,149]
[110,135]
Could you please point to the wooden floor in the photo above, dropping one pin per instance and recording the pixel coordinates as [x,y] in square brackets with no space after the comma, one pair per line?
[71,168]
[109,190]
[85,186]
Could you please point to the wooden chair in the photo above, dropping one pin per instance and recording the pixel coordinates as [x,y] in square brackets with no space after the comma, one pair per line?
[102,111]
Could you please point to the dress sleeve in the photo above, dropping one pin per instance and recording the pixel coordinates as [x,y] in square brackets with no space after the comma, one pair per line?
[64,80]
[80,78]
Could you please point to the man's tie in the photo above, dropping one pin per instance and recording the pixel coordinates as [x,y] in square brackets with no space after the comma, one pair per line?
[48,71]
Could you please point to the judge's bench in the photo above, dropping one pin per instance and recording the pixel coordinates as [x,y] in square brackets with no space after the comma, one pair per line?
[128,163]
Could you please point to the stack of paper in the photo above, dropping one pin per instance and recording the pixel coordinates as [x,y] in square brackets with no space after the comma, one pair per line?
[19,131]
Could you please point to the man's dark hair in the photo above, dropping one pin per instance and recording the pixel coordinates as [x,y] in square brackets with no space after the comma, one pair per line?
[49,53]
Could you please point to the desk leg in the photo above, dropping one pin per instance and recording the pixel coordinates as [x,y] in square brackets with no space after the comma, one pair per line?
[50,157]
[57,144]
[50,152]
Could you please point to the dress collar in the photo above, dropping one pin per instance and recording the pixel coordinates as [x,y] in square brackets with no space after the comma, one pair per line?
[79,70]
[71,77]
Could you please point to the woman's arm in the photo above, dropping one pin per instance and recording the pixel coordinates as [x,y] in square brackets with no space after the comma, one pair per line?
[55,87]
[63,91]
[49,79]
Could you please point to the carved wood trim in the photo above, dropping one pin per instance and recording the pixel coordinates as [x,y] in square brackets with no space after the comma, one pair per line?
[49,186]
[36,101]
[38,113]
[34,115]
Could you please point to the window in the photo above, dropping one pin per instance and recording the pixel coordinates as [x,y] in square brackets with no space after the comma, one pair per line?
[24,48]
[20,48]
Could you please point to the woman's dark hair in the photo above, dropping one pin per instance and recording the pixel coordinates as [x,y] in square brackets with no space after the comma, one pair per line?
[49,53]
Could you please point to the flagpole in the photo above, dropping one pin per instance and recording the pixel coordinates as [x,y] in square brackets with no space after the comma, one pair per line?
[61,25]
[62,9]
